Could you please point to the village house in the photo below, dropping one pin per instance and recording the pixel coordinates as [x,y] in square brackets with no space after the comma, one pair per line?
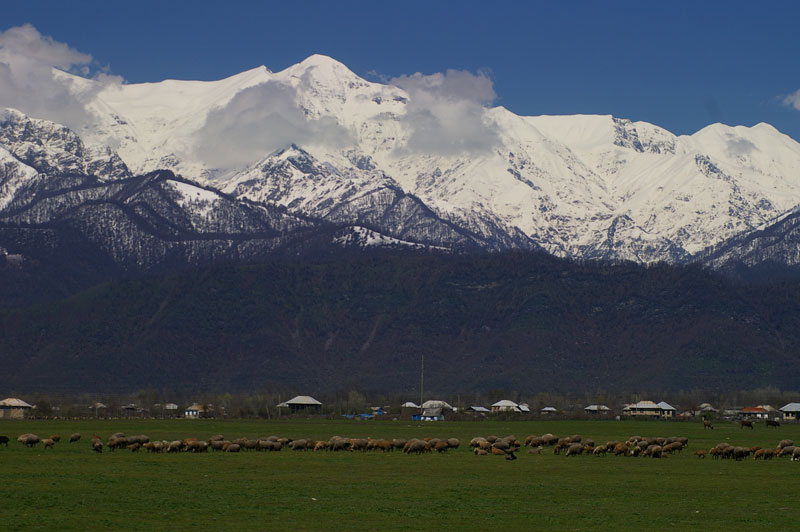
[13,408]
[596,409]
[195,411]
[650,409]
[505,405]
[756,412]
[791,411]
[301,403]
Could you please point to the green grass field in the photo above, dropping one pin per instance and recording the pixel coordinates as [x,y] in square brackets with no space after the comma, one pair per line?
[72,488]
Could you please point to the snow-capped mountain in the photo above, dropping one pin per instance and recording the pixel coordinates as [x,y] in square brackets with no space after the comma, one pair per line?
[320,143]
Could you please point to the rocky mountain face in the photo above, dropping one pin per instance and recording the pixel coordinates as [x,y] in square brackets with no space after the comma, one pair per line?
[315,156]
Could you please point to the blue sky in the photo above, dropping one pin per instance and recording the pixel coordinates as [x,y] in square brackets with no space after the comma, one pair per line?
[681,65]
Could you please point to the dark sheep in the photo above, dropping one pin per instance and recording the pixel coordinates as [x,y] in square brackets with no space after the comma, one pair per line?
[75,436]
[4,440]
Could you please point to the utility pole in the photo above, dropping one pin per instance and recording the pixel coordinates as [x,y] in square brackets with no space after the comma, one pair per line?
[421,380]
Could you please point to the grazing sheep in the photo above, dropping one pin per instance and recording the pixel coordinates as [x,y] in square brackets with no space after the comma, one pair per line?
[498,452]
[56,438]
[529,439]
[320,446]
[600,450]
[701,453]
[358,444]
[175,446]
[787,451]
[48,443]
[97,446]
[233,448]
[491,439]
[134,447]
[785,443]
[707,424]
[4,440]
[453,443]
[219,437]
[218,445]
[441,446]
[746,423]
[480,452]
[29,440]
[549,439]
[775,423]
[671,448]
[416,446]
[75,436]
[574,449]
[796,454]
[621,449]
[343,444]
[398,443]
[537,450]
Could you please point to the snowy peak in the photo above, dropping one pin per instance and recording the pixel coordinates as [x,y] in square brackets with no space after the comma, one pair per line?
[319,141]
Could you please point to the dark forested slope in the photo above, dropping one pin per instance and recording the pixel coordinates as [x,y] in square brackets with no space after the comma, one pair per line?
[515,321]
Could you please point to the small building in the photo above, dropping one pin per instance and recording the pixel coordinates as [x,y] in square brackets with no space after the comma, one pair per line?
[13,408]
[791,411]
[409,404]
[431,414]
[643,409]
[434,403]
[504,405]
[301,403]
[596,409]
[756,412]
[548,410]
[195,411]
[479,410]
[667,410]
[524,408]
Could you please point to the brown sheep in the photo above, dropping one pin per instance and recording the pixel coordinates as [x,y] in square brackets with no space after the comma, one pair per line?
[416,446]
[441,446]
[97,446]
[549,439]
[621,449]
[48,443]
[537,450]
[480,452]
[75,436]
[574,449]
[785,443]
[320,446]
[796,454]
[453,443]
[56,438]
[600,450]
[233,448]
[134,447]
[217,437]
[358,444]
[701,453]
[498,452]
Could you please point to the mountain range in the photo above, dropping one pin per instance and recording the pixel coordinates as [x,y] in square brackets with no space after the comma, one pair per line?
[181,173]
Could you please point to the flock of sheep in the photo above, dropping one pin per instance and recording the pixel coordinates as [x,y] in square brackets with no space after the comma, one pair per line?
[491,445]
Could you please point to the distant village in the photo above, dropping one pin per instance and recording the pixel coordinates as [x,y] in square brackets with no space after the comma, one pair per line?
[430,410]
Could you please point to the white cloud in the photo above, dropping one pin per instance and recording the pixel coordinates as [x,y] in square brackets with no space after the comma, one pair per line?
[259,120]
[793,100]
[446,112]
[28,81]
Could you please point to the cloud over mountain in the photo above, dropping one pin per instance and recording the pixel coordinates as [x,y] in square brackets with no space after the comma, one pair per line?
[259,120]
[446,112]
[29,64]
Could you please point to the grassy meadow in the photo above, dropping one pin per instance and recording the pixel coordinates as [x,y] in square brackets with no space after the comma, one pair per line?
[73,488]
